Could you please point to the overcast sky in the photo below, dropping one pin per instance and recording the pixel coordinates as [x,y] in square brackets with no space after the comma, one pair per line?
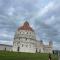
[43,16]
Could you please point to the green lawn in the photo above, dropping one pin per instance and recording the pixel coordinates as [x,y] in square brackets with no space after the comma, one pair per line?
[24,56]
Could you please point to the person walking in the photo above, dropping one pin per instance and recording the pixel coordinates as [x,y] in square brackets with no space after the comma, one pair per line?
[49,56]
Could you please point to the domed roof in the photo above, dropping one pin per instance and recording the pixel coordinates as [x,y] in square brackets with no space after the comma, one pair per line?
[25,26]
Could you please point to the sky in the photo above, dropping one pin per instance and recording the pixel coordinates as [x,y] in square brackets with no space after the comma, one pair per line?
[42,15]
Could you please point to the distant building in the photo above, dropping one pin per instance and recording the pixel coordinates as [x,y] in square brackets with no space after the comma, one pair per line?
[25,41]
[5,47]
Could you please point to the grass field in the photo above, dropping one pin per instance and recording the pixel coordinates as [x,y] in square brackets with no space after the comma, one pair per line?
[24,56]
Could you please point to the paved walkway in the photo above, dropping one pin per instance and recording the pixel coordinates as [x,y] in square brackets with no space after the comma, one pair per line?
[59,57]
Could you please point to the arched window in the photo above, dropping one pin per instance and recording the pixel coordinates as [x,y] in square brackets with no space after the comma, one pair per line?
[26,39]
[27,32]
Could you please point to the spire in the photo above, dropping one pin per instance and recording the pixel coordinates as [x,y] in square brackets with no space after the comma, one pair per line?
[26,23]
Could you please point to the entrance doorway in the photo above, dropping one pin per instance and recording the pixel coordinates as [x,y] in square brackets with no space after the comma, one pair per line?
[18,49]
[36,50]
[5,49]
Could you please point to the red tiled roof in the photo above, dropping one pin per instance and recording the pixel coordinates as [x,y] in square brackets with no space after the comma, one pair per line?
[25,26]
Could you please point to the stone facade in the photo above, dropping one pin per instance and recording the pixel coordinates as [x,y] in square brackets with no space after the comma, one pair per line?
[24,41]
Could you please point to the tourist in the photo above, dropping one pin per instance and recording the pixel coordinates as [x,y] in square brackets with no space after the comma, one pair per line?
[49,56]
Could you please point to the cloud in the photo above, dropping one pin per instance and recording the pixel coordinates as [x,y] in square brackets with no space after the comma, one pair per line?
[6,42]
[43,16]
[10,11]
[46,8]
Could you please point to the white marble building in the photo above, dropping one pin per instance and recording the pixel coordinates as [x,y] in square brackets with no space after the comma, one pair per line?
[25,41]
